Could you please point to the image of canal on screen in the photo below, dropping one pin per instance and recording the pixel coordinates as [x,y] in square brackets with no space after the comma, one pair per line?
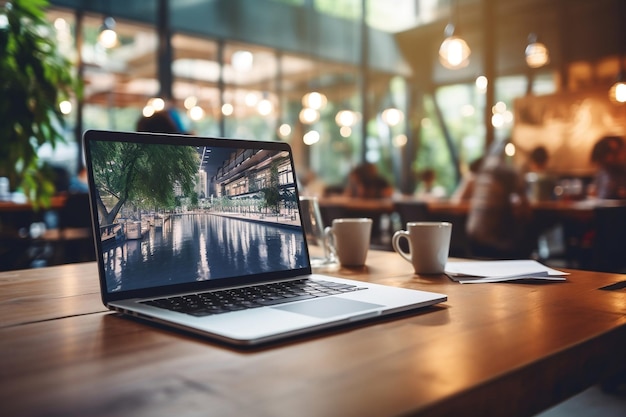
[172,214]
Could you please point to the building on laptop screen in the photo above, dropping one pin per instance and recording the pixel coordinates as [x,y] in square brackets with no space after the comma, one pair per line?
[173,214]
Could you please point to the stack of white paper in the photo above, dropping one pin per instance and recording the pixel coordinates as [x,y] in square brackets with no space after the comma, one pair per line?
[476,272]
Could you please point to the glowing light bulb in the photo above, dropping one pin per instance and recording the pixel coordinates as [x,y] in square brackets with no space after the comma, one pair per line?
[454,53]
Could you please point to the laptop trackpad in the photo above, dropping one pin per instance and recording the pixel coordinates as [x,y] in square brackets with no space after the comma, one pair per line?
[327,307]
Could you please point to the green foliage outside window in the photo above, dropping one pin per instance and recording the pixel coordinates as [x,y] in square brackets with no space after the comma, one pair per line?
[34,78]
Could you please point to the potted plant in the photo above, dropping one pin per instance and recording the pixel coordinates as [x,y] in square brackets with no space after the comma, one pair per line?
[34,78]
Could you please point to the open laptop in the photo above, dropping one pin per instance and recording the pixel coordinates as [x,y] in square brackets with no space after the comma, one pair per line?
[205,235]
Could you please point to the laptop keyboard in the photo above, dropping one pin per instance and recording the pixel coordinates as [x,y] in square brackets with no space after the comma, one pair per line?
[223,301]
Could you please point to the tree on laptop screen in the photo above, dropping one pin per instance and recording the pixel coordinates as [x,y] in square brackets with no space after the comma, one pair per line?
[173,214]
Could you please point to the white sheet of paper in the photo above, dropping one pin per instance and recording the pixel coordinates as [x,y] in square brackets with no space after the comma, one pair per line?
[499,271]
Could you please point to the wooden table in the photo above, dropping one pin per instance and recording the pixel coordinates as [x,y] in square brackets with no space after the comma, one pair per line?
[491,350]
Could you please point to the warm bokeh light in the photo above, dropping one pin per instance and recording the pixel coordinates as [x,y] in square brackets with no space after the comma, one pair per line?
[345,131]
[108,37]
[400,140]
[499,107]
[314,100]
[251,99]
[60,24]
[309,116]
[66,107]
[454,53]
[537,55]
[497,120]
[190,102]
[507,116]
[284,130]
[346,118]
[509,149]
[148,111]
[481,84]
[265,107]
[156,103]
[242,60]
[392,116]
[227,109]
[617,93]
[196,113]
[311,137]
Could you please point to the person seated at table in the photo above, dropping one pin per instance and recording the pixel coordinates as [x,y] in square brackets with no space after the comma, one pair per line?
[499,215]
[312,185]
[540,182]
[465,189]
[164,121]
[428,188]
[364,181]
[609,155]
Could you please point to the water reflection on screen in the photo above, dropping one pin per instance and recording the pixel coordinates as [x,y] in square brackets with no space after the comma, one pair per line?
[203,246]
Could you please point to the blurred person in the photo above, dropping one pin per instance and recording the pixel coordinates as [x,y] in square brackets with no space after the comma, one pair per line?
[312,185]
[539,181]
[164,121]
[538,159]
[428,187]
[499,214]
[364,181]
[61,179]
[609,156]
[465,189]
[78,182]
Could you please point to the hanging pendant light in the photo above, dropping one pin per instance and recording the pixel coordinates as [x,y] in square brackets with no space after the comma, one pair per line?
[454,52]
[537,54]
[108,36]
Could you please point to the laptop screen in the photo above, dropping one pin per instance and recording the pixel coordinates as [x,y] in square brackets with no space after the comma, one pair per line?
[181,211]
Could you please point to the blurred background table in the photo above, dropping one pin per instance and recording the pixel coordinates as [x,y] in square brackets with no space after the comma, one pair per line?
[582,233]
[57,234]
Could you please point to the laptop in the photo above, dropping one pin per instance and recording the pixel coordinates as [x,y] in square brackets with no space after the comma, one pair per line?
[205,235]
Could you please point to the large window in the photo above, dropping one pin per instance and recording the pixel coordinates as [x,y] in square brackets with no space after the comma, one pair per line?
[223,87]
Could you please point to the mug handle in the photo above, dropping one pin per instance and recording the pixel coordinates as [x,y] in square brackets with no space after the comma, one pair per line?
[395,243]
[329,240]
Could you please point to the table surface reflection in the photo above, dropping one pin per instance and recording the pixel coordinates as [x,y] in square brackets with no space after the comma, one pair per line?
[492,349]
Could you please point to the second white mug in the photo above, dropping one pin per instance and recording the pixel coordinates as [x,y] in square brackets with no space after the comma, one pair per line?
[429,245]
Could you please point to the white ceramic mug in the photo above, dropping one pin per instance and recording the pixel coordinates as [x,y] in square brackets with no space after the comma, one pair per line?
[349,238]
[429,245]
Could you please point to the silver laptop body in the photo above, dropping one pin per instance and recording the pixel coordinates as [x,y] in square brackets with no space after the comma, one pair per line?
[179,217]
